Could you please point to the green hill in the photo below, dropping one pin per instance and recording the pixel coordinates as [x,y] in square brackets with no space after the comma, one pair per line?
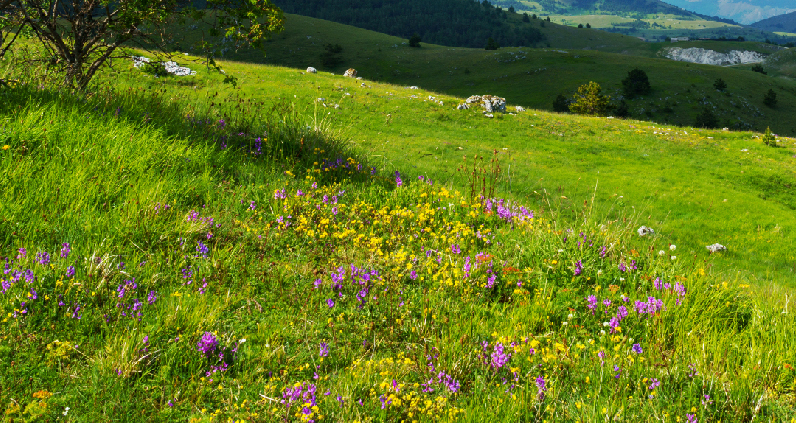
[779,23]
[534,77]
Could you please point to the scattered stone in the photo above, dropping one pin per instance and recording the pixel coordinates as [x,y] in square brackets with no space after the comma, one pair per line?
[413,87]
[321,99]
[351,73]
[519,109]
[489,103]
[489,115]
[170,66]
[312,70]
[645,230]
[716,248]
[463,106]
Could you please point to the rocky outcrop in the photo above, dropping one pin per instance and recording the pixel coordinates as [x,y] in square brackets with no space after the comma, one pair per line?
[489,103]
[312,70]
[170,66]
[712,57]
[351,73]
[715,248]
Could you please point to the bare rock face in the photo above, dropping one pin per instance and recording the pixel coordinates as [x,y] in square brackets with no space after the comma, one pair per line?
[715,248]
[489,103]
[312,70]
[712,57]
[351,73]
[645,230]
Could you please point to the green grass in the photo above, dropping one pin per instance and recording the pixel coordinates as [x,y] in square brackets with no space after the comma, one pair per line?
[534,77]
[134,173]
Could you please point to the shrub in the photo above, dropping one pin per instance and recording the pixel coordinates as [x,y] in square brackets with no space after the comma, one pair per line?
[706,119]
[720,85]
[525,17]
[580,25]
[636,83]
[561,104]
[769,139]
[588,25]
[491,44]
[759,68]
[414,40]
[590,101]
[770,98]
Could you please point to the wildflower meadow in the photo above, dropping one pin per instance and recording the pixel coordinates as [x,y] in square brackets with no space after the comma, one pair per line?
[162,263]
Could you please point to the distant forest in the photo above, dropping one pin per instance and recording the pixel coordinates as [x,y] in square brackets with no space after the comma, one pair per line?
[455,23]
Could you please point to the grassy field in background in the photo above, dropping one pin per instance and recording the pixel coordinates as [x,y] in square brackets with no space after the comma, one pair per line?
[534,77]
[302,248]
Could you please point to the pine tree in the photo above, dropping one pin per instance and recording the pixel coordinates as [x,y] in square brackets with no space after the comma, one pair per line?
[590,101]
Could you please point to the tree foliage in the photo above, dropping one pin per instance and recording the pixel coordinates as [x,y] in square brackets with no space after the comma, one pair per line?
[706,119]
[457,23]
[561,104]
[79,36]
[491,44]
[590,101]
[636,83]
[414,40]
[720,85]
[770,98]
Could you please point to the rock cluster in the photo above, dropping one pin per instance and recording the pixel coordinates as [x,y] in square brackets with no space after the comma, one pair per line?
[170,66]
[712,57]
[312,70]
[489,103]
[715,248]
[645,230]
[351,73]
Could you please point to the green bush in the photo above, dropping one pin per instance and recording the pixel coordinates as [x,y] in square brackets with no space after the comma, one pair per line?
[561,104]
[720,85]
[491,44]
[769,139]
[414,40]
[590,101]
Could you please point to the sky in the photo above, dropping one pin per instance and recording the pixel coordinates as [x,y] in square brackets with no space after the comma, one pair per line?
[742,11]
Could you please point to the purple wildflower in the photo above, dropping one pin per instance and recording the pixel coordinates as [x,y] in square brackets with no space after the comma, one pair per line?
[43,258]
[637,349]
[330,303]
[324,349]
[540,386]
[208,344]
[65,250]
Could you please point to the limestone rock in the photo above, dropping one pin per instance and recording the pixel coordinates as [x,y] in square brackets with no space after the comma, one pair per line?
[351,73]
[645,230]
[312,70]
[716,248]
[489,103]
[463,106]
[712,57]
[519,109]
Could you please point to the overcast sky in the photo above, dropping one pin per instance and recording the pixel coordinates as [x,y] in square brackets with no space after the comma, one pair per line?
[743,11]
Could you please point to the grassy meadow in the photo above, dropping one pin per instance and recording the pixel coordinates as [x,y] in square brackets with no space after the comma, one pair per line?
[308,247]
[534,77]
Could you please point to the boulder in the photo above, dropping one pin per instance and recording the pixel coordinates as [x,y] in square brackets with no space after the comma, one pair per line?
[644,231]
[463,106]
[715,248]
[519,109]
[489,103]
[312,70]
[351,73]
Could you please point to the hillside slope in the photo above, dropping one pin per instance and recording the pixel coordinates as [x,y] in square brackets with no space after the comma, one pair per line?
[534,77]
[779,23]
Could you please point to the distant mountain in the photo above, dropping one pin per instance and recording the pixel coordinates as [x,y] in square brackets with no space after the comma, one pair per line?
[781,23]
[460,23]
[607,7]
[743,11]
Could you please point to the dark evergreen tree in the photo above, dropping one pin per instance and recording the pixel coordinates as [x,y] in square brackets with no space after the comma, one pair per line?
[720,85]
[414,40]
[770,98]
[636,83]
[561,104]
[706,119]
[491,44]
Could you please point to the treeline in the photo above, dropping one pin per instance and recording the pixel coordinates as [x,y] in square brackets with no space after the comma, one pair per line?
[619,7]
[457,23]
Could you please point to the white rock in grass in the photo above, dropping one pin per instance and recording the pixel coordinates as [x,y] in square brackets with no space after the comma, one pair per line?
[463,106]
[645,230]
[519,108]
[715,248]
[351,73]
[312,70]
